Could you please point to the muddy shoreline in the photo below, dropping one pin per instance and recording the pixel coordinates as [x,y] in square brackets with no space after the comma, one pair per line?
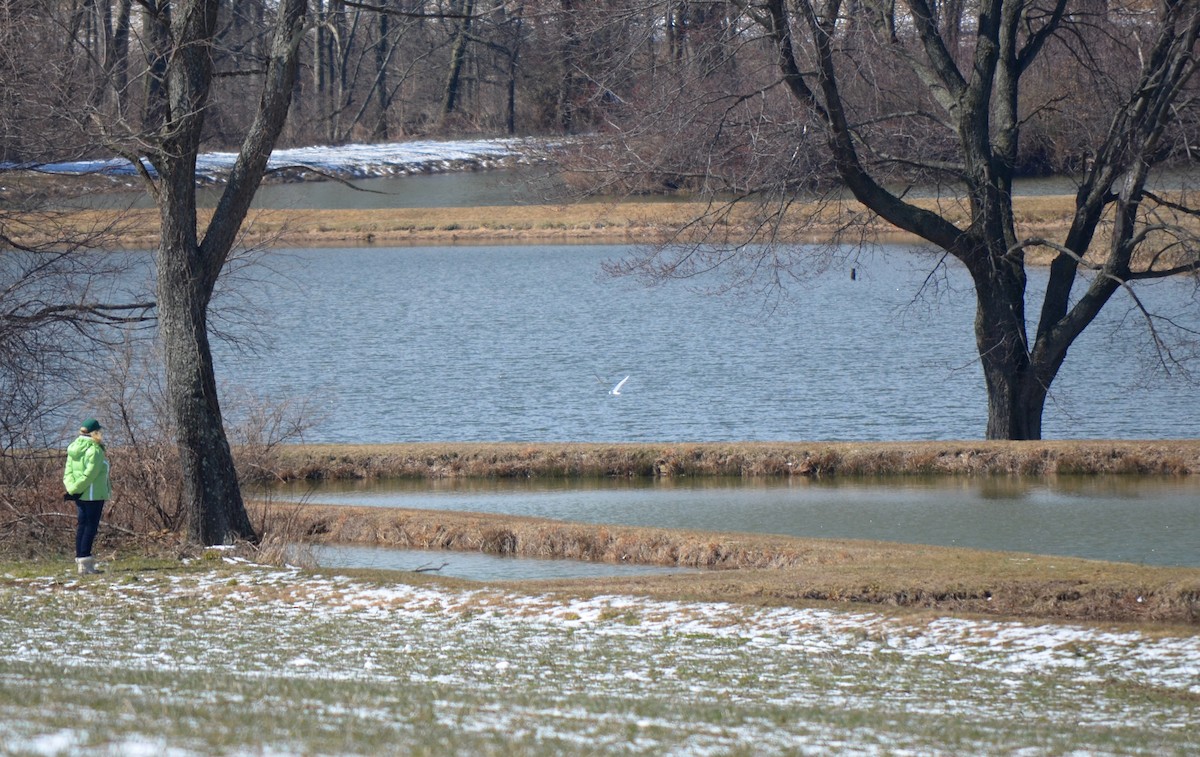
[747,459]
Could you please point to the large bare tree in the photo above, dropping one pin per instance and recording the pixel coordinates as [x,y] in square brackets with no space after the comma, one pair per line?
[190,258]
[872,95]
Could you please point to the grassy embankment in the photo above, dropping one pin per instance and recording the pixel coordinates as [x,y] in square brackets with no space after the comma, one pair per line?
[615,222]
[770,569]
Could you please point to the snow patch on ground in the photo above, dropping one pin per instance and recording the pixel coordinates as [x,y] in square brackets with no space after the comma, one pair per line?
[636,653]
[341,161]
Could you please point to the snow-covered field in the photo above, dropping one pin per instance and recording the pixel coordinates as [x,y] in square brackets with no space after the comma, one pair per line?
[347,161]
[243,659]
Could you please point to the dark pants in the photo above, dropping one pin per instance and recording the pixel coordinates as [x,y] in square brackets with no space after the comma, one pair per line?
[89,524]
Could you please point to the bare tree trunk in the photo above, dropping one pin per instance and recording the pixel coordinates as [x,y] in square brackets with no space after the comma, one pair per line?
[156,20]
[188,267]
[343,34]
[457,57]
[320,59]
[570,52]
[1015,393]
[116,60]
[214,509]
[510,109]
[382,58]
[510,22]
[671,22]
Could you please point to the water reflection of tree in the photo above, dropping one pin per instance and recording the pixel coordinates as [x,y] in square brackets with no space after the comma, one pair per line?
[1004,488]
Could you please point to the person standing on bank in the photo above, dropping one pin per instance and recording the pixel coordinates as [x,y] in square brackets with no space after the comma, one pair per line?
[86,481]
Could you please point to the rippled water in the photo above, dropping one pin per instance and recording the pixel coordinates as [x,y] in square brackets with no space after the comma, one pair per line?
[525,343]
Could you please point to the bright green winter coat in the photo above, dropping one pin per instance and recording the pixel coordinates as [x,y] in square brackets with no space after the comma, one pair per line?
[86,474]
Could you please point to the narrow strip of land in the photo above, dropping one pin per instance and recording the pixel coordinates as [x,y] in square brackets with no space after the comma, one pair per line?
[584,222]
[524,460]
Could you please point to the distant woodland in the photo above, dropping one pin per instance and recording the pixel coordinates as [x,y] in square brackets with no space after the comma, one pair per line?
[74,71]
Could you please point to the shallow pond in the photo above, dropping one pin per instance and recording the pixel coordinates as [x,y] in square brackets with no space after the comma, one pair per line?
[1150,520]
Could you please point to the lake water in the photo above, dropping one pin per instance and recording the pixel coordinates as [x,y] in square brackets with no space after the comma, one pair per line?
[525,343]
[1150,520]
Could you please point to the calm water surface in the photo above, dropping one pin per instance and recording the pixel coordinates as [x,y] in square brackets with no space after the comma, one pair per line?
[1153,520]
[461,189]
[474,566]
[453,189]
[525,343]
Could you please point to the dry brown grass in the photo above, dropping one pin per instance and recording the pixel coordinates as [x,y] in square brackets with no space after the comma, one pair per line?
[778,569]
[618,222]
[614,223]
[748,459]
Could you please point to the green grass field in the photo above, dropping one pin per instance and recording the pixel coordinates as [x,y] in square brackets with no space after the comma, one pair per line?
[222,657]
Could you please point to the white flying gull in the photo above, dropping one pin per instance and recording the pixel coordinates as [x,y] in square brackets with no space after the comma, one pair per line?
[616,390]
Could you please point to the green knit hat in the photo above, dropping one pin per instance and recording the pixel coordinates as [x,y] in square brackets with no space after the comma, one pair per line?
[90,426]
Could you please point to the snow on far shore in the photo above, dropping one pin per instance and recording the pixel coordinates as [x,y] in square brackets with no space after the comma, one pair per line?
[342,161]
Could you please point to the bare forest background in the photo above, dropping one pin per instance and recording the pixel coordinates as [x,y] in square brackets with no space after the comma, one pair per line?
[384,71]
[76,74]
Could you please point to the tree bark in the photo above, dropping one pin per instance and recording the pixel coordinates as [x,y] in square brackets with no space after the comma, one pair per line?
[1016,393]
[382,59]
[458,57]
[214,510]
[156,18]
[570,54]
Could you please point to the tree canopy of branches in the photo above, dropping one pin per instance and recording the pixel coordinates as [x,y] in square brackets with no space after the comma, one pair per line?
[58,308]
[764,101]
[59,314]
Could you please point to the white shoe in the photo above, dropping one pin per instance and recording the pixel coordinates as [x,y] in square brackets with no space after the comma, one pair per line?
[87,566]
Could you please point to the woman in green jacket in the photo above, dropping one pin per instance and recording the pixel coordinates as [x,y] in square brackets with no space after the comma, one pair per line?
[86,481]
